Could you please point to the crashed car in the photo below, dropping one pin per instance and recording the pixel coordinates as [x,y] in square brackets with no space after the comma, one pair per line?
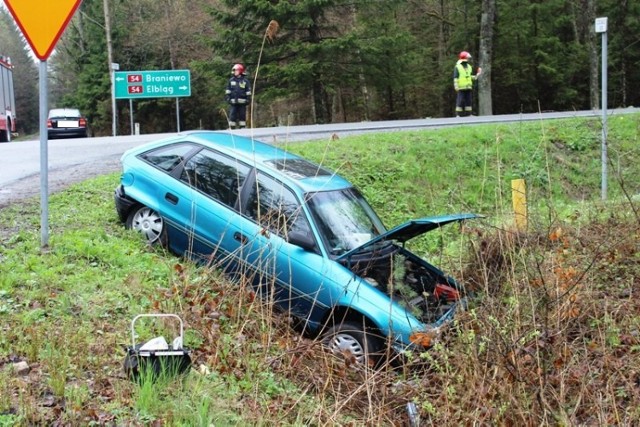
[304,237]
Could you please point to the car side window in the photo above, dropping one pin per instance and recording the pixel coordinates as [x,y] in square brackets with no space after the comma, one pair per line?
[216,175]
[167,158]
[276,208]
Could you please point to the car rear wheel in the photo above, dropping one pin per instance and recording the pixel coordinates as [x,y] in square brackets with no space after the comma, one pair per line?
[5,135]
[351,341]
[147,222]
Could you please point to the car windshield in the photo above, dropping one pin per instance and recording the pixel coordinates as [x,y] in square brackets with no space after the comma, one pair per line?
[344,219]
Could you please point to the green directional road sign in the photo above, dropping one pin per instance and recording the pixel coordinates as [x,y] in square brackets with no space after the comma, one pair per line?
[152,84]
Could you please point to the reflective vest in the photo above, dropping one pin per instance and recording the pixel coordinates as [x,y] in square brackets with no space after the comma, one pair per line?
[465,81]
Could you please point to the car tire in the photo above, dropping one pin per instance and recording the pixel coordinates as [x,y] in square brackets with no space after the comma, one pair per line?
[353,342]
[147,222]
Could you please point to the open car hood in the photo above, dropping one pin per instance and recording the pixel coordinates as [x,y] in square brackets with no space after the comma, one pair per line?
[411,229]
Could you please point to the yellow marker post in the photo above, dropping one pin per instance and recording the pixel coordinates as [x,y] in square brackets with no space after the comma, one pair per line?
[519,196]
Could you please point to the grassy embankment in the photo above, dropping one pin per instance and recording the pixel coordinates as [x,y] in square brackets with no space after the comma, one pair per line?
[552,336]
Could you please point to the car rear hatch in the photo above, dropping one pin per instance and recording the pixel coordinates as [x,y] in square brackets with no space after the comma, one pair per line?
[67,120]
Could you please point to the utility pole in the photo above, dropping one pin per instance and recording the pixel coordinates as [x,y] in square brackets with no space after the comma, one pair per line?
[107,29]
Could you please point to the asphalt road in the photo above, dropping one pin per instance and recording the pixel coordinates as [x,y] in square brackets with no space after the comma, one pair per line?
[69,161]
[74,160]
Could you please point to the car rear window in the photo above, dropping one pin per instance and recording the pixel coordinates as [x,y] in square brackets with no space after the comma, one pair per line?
[64,112]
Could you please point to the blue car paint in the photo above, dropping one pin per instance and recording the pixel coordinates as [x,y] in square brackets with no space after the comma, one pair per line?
[322,283]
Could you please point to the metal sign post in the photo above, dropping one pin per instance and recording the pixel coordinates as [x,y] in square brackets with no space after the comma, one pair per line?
[601,27]
[42,22]
[114,119]
[178,114]
[44,159]
[131,115]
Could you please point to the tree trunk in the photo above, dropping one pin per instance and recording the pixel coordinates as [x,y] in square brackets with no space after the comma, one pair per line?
[594,57]
[443,59]
[361,73]
[485,106]
[623,28]
[107,30]
[320,96]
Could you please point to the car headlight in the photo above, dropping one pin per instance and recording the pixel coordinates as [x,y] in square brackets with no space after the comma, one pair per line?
[424,338]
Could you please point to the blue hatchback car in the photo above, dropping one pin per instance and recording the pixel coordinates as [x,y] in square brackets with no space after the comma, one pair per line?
[304,237]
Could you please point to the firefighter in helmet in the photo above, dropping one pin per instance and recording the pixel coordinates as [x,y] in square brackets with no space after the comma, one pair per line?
[463,78]
[238,95]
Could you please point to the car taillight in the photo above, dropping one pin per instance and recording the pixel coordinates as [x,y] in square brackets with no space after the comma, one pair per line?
[49,124]
[82,123]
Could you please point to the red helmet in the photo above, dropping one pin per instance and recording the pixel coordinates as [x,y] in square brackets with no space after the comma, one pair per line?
[238,67]
[464,55]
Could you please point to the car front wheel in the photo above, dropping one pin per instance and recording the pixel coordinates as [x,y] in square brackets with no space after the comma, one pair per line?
[351,341]
[147,222]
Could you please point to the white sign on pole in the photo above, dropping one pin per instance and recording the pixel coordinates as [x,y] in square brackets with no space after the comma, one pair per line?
[601,25]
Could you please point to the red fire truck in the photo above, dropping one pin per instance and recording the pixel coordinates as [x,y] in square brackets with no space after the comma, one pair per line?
[7,100]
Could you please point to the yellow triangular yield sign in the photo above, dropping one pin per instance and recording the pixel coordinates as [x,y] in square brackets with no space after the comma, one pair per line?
[42,21]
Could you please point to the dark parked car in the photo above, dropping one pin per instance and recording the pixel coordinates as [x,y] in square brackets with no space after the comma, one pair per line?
[66,123]
[302,234]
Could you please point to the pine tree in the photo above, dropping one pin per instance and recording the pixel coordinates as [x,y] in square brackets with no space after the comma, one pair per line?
[313,54]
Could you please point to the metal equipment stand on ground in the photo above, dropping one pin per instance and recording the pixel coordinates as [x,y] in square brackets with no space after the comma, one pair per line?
[156,357]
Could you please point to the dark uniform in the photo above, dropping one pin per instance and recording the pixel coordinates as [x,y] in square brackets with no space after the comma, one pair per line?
[238,95]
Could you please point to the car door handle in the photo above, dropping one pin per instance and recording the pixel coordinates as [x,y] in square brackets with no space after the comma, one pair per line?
[240,237]
[171,198]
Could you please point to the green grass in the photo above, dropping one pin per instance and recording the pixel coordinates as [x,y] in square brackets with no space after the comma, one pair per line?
[551,336]
[470,169]
[424,173]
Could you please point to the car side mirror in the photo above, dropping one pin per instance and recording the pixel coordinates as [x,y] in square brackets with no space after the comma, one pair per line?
[304,240]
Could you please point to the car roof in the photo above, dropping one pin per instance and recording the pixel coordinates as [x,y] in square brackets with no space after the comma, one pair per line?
[64,112]
[290,168]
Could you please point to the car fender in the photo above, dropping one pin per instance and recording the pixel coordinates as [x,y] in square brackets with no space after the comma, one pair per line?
[147,188]
[142,198]
[389,317]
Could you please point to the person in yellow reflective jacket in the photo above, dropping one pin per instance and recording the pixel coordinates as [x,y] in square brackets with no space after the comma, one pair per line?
[463,78]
